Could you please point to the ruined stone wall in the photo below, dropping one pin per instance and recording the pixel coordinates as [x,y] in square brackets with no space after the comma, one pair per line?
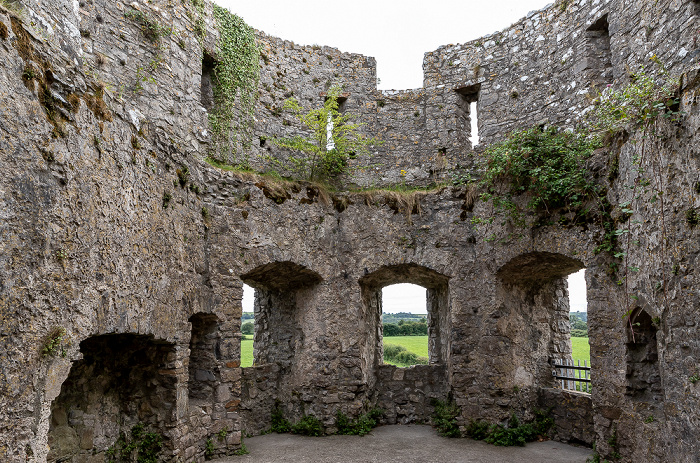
[112,225]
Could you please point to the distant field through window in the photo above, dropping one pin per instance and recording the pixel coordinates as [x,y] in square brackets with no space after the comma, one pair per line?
[405,324]
[247,326]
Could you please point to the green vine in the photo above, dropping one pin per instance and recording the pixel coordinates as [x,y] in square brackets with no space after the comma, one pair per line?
[650,97]
[236,75]
[546,164]
[55,342]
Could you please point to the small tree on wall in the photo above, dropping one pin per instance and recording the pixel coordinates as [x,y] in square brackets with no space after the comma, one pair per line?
[324,153]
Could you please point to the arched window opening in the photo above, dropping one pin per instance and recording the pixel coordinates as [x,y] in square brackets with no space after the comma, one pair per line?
[277,332]
[535,290]
[405,324]
[437,312]
[597,64]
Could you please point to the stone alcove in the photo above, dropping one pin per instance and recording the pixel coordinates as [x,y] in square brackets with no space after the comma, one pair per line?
[122,380]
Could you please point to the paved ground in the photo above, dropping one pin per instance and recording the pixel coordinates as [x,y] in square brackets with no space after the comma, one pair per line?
[400,444]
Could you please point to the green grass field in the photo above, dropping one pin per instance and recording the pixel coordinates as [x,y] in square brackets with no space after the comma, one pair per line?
[581,350]
[419,345]
[247,352]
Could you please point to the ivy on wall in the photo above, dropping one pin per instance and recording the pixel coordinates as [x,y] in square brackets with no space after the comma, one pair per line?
[236,74]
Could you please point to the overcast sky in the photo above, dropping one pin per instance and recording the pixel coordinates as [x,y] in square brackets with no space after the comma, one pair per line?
[397,33]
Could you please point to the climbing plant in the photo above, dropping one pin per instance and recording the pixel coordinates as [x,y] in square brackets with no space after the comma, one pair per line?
[333,140]
[547,164]
[651,96]
[236,74]
[648,96]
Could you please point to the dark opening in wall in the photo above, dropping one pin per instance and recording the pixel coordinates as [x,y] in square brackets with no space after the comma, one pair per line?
[208,81]
[204,357]
[437,305]
[467,117]
[643,377]
[597,65]
[123,380]
[696,7]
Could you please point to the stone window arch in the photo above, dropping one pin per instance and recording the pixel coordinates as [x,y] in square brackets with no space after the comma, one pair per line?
[438,308]
[278,333]
[533,298]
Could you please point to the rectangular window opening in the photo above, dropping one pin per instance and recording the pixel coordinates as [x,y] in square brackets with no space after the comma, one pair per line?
[467,117]
[598,66]
[208,82]
[575,373]
[247,326]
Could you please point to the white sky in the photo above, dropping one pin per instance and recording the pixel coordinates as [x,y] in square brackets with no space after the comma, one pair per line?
[404,297]
[396,33]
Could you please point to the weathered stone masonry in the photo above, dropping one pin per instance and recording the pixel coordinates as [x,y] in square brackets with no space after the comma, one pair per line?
[144,267]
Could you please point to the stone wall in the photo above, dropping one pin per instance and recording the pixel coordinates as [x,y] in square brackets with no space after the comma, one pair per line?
[572,413]
[114,228]
[406,394]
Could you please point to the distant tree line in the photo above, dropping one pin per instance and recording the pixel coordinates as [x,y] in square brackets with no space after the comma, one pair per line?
[403,328]
[579,325]
[405,316]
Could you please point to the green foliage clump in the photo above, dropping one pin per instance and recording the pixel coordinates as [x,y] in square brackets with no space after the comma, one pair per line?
[150,27]
[316,159]
[406,329]
[279,423]
[248,328]
[399,354]
[308,426]
[361,426]
[55,342]
[514,433]
[209,449]
[142,447]
[242,451]
[649,95]
[444,418]
[183,176]
[547,164]
[579,327]
[236,76]
[477,430]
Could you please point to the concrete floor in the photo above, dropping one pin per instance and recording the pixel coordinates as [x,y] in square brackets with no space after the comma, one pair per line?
[400,444]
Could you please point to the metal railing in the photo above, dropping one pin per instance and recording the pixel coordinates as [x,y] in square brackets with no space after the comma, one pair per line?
[573,377]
